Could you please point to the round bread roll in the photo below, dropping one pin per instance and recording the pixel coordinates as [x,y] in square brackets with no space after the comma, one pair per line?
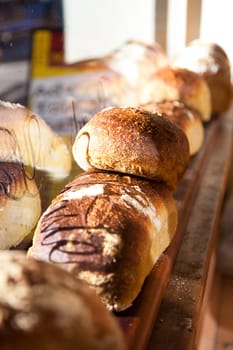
[42,307]
[172,83]
[136,61]
[133,141]
[186,117]
[108,229]
[20,205]
[210,61]
[26,138]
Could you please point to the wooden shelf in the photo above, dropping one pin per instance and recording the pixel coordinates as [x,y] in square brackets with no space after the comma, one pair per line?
[168,312]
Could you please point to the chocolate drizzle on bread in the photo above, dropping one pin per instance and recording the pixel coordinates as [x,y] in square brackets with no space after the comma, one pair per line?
[108,229]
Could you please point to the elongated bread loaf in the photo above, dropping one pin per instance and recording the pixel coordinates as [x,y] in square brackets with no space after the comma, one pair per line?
[26,138]
[133,141]
[20,204]
[43,307]
[185,116]
[173,83]
[109,230]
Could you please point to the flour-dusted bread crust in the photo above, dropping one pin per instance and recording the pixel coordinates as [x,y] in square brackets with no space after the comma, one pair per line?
[43,307]
[173,83]
[20,205]
[133,141]
[26,138]
[109,230]
[137,60]
[210,61]
[185,116]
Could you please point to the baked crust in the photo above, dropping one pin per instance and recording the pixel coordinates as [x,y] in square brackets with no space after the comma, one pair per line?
[184,116]
[108,229]
[44,307]
[133,141]
[173,83]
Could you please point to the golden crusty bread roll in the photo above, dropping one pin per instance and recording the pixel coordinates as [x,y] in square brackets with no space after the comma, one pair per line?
[210,61]
[108,229]
[133,141]
[185,116]
[43,307]
[26,138]
[20,205]
[172,83]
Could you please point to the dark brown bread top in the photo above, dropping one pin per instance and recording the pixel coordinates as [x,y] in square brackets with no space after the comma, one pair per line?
[108,229]
[133,141]
[44,307]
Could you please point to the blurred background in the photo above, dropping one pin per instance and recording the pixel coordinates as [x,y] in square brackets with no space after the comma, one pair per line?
[90,30]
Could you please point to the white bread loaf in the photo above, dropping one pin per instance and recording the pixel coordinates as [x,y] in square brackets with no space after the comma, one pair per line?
[26,138]
[42,307]
[20,205]
[108,229]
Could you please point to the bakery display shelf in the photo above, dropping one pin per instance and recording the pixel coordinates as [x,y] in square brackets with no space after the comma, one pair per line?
[157,318]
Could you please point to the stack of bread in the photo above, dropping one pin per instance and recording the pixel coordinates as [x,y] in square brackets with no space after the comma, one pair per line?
[109,225]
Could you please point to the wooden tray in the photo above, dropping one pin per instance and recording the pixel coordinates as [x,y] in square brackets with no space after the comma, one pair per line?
[137,322]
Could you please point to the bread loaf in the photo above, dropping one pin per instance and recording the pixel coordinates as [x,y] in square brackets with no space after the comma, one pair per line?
[210,61]
[185,116]
[20,205]
[136,61]
[26,138]
[173,83]
[133,141]
[43,307]
[109,230]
